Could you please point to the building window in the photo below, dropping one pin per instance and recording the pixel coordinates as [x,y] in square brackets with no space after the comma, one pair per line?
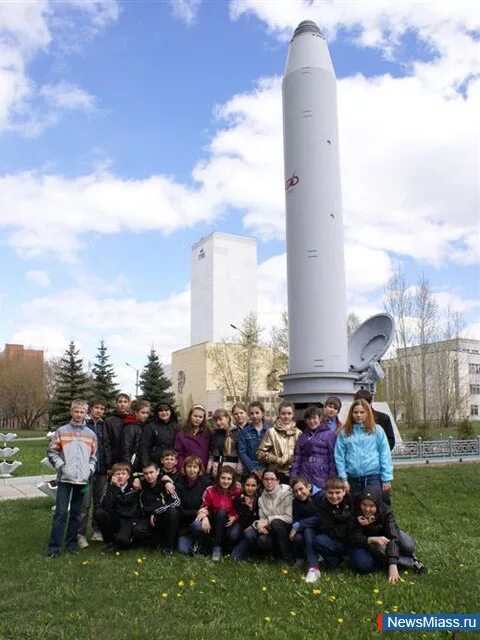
[475,389]
[474,368]
[474,409]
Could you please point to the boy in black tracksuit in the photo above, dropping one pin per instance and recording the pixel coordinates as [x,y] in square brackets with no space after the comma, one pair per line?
[336,517]
[160,506]
[377,539]
[120,515]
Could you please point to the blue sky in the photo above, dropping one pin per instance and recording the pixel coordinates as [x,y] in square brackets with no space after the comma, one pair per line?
[130,130]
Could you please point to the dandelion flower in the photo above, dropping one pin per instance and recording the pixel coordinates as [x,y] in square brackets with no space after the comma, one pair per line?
[135,573]
[285,571]
[117,553]
[213,581]
[461,565]
[181,583]
[293,613]
[379,602]
[317,592]
[267,619]
[332,598]
[85,562]
[164,595]
[340,620]
[139,560]
[394,608]
[264,589]
[192,583]
[405,573]
[179,595]
[376,590]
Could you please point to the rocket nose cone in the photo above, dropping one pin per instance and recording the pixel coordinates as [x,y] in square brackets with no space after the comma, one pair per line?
[307,26]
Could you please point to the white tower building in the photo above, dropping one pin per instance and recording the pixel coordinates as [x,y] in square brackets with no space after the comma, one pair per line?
[224,285]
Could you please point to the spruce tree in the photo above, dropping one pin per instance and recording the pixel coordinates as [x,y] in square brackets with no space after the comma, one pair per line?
[71,383]
[154,384]
[104,376]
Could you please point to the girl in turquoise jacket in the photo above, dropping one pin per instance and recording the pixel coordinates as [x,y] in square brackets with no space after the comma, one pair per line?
[362,453]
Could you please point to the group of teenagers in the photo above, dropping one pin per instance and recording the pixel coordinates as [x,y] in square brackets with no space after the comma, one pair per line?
[310,496]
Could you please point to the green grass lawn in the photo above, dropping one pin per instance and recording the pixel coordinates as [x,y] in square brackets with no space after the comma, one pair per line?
[30,455]
[140,594]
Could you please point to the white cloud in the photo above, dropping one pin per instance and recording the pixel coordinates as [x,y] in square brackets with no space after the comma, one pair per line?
[409,173]
[447,29]
[64,95]
[131,325]
[38,277]
[28,28]
[185,10]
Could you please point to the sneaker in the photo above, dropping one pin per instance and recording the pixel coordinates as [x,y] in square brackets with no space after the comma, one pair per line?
[313,575]
[82,542]
[216,554]
[419,567]
[97,536]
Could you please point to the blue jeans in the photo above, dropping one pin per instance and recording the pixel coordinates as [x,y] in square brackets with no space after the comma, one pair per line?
[304,547]
[331,549]
[374,556]
[220,532]
[185,544]
[357,485]
[67,494]
[247,543]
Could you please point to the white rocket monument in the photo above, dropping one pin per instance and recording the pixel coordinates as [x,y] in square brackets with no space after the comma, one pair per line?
[320,362]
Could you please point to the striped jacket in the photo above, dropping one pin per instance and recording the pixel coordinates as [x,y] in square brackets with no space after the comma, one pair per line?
[72,451]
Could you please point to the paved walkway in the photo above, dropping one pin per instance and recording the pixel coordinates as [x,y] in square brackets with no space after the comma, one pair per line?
[23,487]
[26,487]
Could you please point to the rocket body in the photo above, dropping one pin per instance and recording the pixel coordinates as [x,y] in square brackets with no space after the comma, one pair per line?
[314,222]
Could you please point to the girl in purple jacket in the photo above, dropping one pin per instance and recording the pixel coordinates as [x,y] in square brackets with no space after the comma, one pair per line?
[314,451]
[194,438]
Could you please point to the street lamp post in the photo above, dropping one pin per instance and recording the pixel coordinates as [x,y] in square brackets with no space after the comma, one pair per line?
[136,377]
[248,339]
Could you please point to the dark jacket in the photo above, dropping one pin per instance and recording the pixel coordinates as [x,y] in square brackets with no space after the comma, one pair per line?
[190,495]
[173,475]
[113,438]
[217,446]
[337,521]
[156,500]
[98,429]
[246,515]
[131,436]
[158,435]
[305,513]
[383,525]
[126,503]
[314,457]
[384,421]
